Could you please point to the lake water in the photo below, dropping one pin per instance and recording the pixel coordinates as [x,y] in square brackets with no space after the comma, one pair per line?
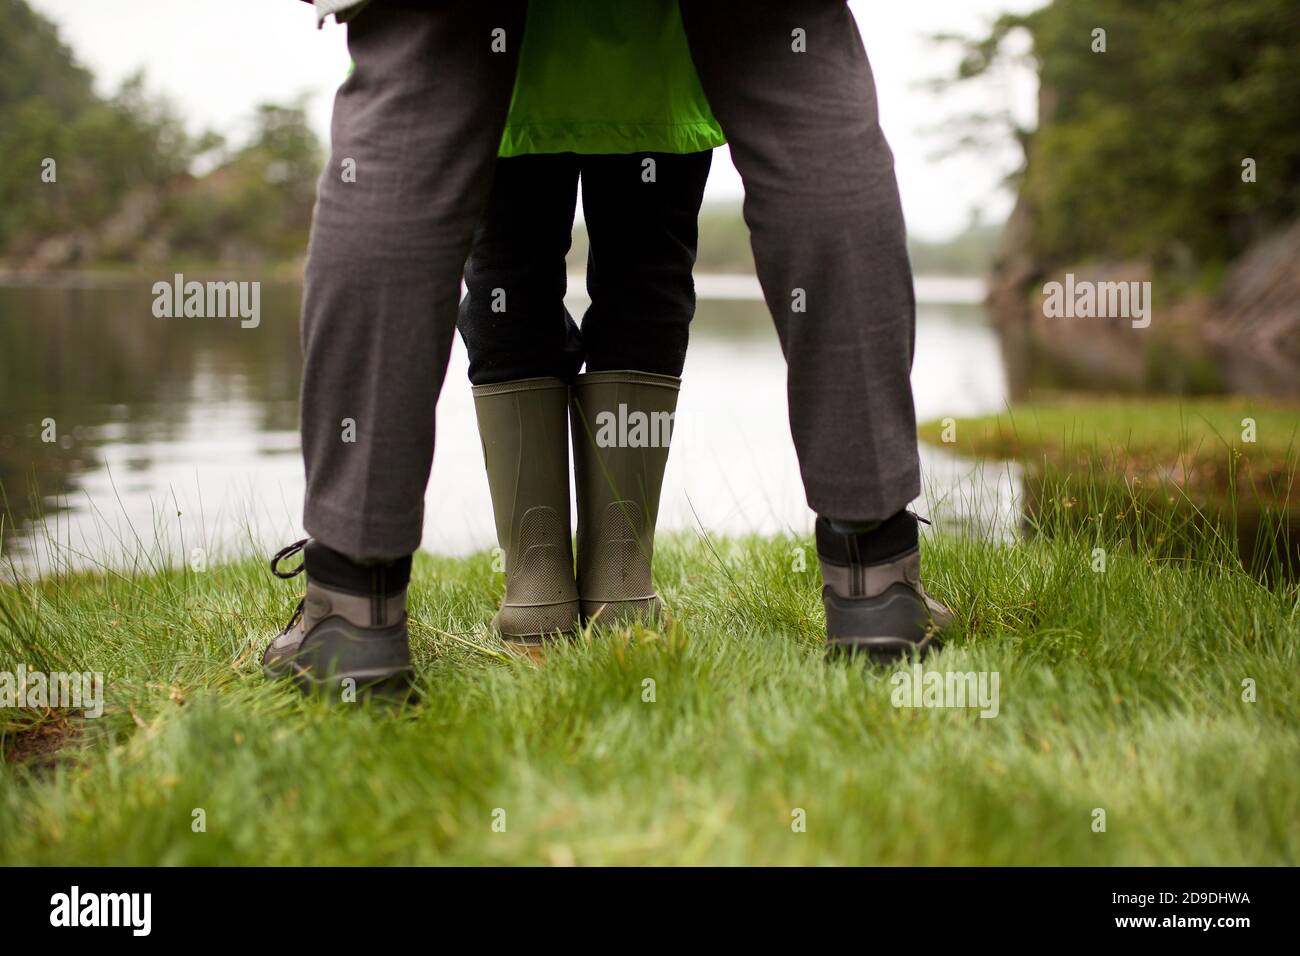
[176,434]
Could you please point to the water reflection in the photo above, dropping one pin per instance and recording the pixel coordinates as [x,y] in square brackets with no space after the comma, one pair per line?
[177,434]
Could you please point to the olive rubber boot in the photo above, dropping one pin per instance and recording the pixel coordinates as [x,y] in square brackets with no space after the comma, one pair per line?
[622,426]
[524,428]
[342,641]
[875,604]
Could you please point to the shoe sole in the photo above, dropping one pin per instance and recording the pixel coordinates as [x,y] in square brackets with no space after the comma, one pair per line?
[883,650]
[368,684]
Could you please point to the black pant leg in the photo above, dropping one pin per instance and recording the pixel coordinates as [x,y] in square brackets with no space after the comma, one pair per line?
[513,319]
[643,223]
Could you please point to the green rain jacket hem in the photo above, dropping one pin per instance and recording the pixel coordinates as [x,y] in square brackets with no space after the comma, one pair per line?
[597,137]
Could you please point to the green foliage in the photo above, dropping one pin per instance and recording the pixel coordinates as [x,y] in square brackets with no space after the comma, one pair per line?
[259,201]
[37,64]
[41,90]
[103,149]
[1139,150]
[129,156]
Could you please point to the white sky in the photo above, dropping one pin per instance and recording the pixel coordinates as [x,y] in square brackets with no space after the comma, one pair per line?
[217,61]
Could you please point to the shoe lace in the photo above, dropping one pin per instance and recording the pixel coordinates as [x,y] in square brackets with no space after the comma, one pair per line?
[287,552]
[281,555]
[296,616]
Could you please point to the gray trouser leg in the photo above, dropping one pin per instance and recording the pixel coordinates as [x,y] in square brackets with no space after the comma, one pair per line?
[414,141]
[829,242]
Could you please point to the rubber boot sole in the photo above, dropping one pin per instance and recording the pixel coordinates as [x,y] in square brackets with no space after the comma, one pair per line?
[528,621]
[530,630]
[623,613]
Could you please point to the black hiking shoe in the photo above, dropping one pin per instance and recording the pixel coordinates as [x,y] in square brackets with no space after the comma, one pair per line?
[876,606]
[353,645]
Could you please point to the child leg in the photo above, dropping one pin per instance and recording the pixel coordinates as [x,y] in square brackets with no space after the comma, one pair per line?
[642,213]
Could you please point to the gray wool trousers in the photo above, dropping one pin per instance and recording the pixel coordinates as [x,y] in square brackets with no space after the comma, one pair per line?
[414,140]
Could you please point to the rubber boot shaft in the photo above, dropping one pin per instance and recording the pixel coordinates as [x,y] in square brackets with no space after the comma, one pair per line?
[524,430]
[622,428]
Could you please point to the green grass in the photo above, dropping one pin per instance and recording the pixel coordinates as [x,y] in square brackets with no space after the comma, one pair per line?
[1164,429]
[1172,470]
[1120,690]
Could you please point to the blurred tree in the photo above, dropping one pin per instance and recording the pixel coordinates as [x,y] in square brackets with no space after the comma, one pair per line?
[258,201]
[103,149]
[125,186]
[1139,149]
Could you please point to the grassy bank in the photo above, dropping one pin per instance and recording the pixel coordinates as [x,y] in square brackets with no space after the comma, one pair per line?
[1166,472]
[1120,690]
[1155,430]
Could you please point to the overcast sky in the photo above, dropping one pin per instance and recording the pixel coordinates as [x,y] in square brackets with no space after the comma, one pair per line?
[216,61]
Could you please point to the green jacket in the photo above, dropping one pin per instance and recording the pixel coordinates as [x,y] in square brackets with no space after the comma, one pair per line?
[607,76]
[599,76]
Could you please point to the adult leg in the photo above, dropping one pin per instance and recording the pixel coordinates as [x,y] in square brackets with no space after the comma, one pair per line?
[790,84]
[418,122]
[414,136]
[827,232]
